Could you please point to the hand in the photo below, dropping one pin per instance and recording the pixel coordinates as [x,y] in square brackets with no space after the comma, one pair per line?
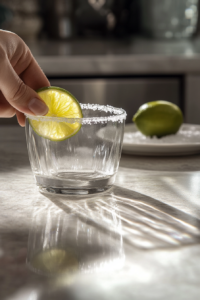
[20,75]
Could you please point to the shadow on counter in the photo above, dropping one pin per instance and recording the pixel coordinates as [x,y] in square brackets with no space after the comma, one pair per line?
[94,234]
[104,239]
[75,238]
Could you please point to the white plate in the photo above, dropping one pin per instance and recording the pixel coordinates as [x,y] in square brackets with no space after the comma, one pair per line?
[185,142]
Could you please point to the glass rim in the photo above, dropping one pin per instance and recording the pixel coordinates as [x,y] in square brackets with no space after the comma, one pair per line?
[118,115]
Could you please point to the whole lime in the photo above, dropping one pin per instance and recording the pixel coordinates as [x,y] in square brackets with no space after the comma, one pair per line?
[158,118]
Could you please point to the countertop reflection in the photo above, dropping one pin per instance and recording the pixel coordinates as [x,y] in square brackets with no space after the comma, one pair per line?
[70,240]
[81,239]
[138,240]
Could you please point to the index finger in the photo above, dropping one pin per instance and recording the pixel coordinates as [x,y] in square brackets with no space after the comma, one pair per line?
[33,75]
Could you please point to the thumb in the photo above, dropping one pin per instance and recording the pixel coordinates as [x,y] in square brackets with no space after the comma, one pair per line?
[19,95]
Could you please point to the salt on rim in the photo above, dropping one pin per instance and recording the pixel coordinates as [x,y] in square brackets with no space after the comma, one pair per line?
[119,115]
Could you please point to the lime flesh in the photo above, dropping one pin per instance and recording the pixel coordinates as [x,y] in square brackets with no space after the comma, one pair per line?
[158,118]
[61,104]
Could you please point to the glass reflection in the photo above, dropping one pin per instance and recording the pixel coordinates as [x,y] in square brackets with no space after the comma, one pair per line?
[70,240]
[70,237]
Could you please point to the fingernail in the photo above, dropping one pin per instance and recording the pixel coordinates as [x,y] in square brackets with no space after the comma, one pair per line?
[38,107]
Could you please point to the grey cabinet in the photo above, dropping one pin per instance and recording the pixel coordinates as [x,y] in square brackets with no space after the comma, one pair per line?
[192,99]
[126,93]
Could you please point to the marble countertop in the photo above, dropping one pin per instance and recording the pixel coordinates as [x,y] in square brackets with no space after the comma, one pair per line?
[135,56]
[140,240]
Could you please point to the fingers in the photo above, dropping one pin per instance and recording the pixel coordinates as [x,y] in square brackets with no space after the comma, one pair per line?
[20,118]
[6,110]
[33,76]
[17,93]
[20,75]
[26,66]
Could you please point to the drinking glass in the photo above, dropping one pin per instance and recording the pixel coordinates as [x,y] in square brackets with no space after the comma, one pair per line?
[85,163]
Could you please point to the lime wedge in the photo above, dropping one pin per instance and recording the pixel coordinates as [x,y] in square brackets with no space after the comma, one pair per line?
[61,104]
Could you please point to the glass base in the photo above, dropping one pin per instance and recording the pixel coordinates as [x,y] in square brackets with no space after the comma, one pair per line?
[75,183]
[69,191]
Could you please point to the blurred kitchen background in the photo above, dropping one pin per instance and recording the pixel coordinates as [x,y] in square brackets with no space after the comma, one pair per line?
[117,52]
